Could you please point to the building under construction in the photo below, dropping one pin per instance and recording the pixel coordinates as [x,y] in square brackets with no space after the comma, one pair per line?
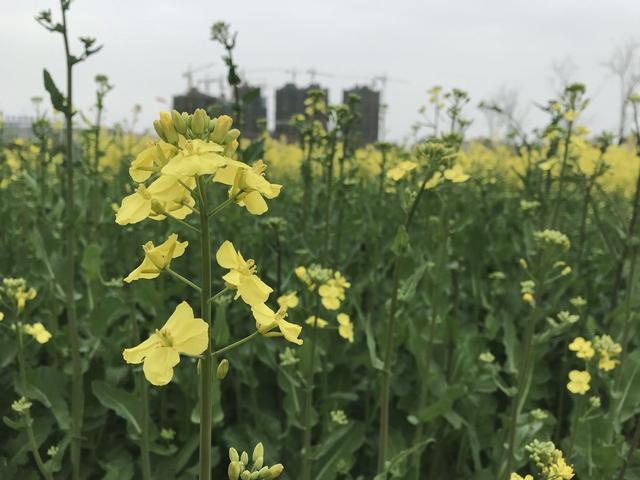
[368,109]
[289,102]
[254,108]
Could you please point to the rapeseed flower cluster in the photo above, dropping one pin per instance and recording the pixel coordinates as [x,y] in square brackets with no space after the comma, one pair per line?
[15,289]
[549,460]
[331,287]
[601,346]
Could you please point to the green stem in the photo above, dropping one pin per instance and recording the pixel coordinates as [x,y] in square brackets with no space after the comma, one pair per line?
[34,450]
[242,341]
[141,384]
[563,168]
[383,436]
[184,280]
[77,394]
[207,369]
[219,294]
[308,399]
[220,207]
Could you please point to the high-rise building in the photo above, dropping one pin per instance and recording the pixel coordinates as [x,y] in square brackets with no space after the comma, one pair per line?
[193,100]
[289,102]
[254,110]
[368,109]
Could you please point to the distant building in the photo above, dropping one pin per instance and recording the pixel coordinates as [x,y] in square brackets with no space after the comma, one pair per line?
[254,110]
[193,100]
[289,102]
[369,111]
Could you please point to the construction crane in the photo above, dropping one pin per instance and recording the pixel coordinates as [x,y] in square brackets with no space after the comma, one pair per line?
[293,72]
[190,71]
[207,81]
[313,73]
[380,82]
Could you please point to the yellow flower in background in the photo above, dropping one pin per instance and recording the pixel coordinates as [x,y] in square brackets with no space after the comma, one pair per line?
[400,171]
[23,296]
[331,295]
[289,300]
[434,181]
[165,196]
[267,319]
[181,334]
[196,157]
[249,187]
[1,316]
[560,470]
[38,332]
[582,348]
[340,281]
[515,476]
[242,275]
[456,174]
[579,382]
[316,322]
[151,160]
[157,258]
[607,363]
[16,289]
[346,327]
[302,273]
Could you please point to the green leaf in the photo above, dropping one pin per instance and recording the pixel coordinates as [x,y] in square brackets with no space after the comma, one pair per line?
[338,445]
[91,262]
[443,405]
[371,346]
[123,403]
[408,288]
[390,464]
[57,99]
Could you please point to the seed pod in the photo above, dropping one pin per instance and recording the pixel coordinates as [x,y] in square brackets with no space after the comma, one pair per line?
[223,369]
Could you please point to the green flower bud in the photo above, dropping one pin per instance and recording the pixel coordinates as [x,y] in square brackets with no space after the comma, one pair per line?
[167,127]
[258,462]
[231,148]
[244,458]
[275,471]
[233,455]
[223,124]
[231,135]
[199,120]
[158,128]
[246,475]
[234,470]
[255,476]
[263,472]
[223,369]
[178,122]
[258,452]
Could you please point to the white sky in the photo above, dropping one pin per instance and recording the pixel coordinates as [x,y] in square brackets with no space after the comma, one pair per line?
[478,45]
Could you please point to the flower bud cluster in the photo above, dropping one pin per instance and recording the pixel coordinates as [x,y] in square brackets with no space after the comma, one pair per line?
[239,463]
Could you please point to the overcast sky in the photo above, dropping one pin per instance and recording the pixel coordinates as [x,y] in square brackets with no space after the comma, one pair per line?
[481,46]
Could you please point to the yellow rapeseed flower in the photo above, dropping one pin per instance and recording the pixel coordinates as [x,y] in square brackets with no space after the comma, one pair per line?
[607,363]
[181,334]
[316,322]
[38,332]
[346,327]
[560,470]
[249,187]
[456,174]
[242,275]
[165,196]
[151,160]
[578,382]
[195,157]
[302,274]
[582,348]
[400,171]
[157,258]
[267,320]
[515,476]
[289,300]
[331,295]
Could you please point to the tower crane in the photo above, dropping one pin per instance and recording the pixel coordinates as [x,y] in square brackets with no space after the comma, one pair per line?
[190,71]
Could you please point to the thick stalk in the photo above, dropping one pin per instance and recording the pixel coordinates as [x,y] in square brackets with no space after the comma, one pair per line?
[308,397]
[145,461]
[206,363]
[520,396]
[77,395]
[383,436]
